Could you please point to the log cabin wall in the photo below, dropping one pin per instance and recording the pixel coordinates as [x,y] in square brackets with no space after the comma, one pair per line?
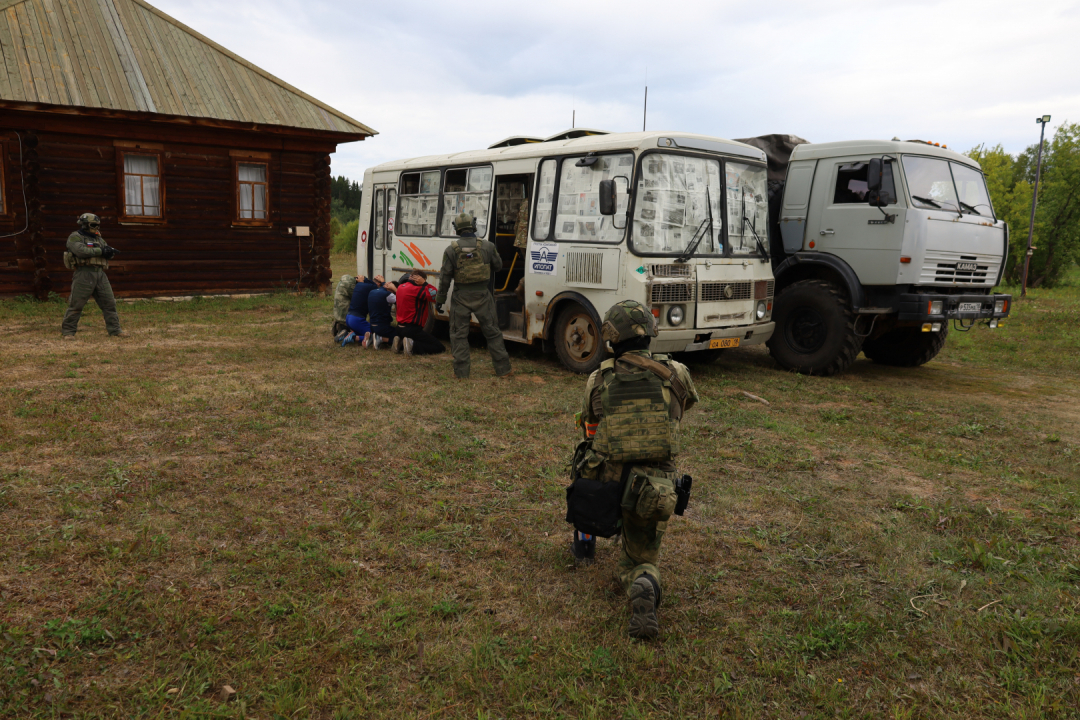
[72,165]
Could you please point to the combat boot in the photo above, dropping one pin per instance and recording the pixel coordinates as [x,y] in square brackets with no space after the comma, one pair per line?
[644,597]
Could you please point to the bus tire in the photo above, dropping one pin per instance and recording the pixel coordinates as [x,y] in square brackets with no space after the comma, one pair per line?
[906,346]
[815,329]
[577,339]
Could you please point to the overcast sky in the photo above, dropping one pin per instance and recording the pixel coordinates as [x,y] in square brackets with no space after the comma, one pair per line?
[443,77]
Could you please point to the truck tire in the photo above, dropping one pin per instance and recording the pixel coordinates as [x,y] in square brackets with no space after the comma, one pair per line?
[815,329]
[906,346]
[577,339]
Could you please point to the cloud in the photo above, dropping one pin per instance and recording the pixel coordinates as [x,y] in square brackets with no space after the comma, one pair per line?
[441,77]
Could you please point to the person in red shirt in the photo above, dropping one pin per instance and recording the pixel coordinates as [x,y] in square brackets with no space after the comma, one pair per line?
[414,300]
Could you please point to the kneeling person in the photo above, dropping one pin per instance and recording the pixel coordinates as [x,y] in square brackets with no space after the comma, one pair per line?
[630,415]
[414,300]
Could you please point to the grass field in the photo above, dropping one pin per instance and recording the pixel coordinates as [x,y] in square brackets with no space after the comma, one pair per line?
[225,498]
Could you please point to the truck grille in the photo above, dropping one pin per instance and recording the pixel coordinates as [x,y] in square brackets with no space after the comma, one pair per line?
[672,292]
[951,268]
[720,291]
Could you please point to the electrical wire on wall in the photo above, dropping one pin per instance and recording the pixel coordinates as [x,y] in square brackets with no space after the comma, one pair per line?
[22,182]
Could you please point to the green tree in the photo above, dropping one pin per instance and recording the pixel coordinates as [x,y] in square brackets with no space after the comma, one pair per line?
[1057,217]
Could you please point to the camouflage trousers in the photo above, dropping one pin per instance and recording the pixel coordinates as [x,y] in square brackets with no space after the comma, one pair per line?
[481,304]
[90,282]
[644,519]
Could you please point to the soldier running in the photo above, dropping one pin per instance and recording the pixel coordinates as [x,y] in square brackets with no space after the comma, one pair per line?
[470,263]
[632,409]
[88,255]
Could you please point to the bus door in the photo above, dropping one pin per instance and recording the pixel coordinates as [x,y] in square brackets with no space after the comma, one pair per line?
[383,210]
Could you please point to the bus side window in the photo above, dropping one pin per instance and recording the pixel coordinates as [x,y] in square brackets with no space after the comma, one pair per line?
[545,198]
[380,218]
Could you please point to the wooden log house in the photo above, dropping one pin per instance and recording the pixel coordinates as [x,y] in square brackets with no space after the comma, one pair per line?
[210,175]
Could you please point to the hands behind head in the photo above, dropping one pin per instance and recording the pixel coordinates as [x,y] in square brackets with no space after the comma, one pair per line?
[417,279]
[390,286]
[379,279]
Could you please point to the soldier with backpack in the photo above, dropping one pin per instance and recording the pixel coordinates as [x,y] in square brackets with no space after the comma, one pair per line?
[624,477]
[470,263]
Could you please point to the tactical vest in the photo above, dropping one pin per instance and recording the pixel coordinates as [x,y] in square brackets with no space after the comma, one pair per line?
[343,297]
[470,267]
[637,420]
[71,261]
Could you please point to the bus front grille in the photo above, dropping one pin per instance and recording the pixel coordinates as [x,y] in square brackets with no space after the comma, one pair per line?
[721,291]
[672,292]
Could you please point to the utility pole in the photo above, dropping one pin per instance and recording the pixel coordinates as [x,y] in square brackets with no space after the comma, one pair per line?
[1042,121]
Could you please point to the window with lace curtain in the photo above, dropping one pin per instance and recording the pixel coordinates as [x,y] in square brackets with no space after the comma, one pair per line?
[252,196]
[141,191]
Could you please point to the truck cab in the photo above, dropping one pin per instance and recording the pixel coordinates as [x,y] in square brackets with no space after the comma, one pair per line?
[878,246]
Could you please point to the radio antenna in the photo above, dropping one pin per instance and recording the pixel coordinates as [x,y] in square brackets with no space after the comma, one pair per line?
[645,112]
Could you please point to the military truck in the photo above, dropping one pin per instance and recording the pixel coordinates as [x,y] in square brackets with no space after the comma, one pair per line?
[878,246]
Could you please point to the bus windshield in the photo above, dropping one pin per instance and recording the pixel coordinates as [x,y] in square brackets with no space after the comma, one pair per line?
[670,207]
[748,208]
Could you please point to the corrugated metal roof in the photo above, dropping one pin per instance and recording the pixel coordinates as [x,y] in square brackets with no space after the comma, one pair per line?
[128,55]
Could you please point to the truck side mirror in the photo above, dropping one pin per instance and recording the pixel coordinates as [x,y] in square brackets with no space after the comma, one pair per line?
[875,174]
[607,197]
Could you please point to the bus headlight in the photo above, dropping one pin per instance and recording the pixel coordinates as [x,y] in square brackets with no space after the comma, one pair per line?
[675,315]
[761,310]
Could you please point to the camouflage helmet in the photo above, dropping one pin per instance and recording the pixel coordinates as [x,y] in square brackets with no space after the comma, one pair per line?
[90,221]
[464,223]
[627,320]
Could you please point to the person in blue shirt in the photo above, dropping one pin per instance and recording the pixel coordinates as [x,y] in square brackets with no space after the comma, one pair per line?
[356,319]
[381,314]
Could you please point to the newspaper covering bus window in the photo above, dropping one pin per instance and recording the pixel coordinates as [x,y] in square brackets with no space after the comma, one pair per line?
[673,200]
[748,207]
[466,191]
[578,214]
[545,197]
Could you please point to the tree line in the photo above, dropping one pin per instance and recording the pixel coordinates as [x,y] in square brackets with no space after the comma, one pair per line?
[345,197]
[1011,180]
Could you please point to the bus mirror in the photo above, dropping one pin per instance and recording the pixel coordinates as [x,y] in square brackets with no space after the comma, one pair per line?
[607,197]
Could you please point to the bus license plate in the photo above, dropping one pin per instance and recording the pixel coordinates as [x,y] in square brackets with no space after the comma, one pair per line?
[970,307]
[723,343]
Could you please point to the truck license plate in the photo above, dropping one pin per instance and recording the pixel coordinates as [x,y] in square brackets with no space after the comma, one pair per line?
[970,307]
[723,343]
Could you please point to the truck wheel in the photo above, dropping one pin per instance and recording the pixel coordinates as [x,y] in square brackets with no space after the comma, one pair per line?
[815,329]
[906,346]
[577,339]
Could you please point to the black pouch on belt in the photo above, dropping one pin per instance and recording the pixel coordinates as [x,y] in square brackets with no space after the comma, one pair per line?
[593,507]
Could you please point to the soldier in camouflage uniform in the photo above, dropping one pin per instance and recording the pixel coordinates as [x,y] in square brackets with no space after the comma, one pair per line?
[470,263]
[521,243]
[631,412]
[88,255]
[342,297]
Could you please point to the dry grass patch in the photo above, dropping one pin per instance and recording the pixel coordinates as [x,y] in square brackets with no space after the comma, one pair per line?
[226,498]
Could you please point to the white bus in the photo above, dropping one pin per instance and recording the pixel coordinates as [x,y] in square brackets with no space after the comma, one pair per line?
[691,240]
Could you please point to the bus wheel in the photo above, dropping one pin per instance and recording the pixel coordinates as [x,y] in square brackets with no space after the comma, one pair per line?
[577,339]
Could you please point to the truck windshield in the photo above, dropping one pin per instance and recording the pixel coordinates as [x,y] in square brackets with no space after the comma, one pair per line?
[670,207]
[748,208]
[930,183]
[971,187]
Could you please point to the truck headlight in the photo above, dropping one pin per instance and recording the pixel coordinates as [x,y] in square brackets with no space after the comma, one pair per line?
[935,307]
[675,315]
[761,310]
[1000,305]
